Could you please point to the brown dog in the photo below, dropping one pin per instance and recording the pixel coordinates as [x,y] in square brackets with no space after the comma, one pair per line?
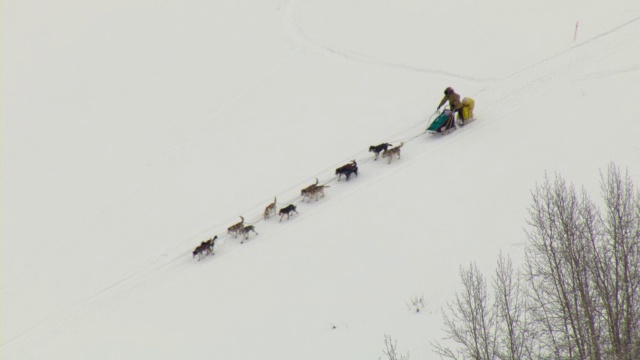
[393,151]
[236,228]
[270,209]
[317,192]
[308,190]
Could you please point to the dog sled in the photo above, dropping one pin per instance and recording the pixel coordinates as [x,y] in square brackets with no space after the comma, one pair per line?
[443,123]
[446,121]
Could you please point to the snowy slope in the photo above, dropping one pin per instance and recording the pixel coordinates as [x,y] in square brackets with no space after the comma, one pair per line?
[131,132]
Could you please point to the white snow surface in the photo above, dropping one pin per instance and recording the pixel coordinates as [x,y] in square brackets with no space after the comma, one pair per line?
[133,130]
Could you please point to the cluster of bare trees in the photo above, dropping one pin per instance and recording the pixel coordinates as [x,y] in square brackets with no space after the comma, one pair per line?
[577,295]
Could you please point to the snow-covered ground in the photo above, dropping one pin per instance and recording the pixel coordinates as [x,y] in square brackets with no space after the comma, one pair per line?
[133,130]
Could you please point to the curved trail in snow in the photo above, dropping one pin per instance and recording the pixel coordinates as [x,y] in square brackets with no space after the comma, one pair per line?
[298,37]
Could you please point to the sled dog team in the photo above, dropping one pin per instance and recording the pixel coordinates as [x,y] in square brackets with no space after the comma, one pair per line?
[316,191]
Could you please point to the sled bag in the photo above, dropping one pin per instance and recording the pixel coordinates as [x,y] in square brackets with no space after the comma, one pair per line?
[467,108]
[440,121]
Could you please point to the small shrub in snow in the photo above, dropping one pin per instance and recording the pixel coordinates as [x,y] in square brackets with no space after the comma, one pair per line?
[416,303]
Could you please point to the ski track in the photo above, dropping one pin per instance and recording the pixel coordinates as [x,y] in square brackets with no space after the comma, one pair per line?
[298,37]
[134,184]
[604,74]
[516,90]
[584,43]
[522,87]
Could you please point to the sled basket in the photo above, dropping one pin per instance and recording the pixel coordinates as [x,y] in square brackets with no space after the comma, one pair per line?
[438,125]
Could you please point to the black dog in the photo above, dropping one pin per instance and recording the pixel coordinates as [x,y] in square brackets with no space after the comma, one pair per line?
[347,170]
[198,251]
[378,149]
[205,248]
[287,211]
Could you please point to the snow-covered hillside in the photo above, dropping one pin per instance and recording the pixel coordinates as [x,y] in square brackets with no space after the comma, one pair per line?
[131,131]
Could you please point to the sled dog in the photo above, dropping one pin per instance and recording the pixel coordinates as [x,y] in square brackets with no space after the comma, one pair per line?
[377,149]
[307,191]
[246,230]
[270,209]
[393,151]
[287,210]
[347,170]
[236,228]
[205,248]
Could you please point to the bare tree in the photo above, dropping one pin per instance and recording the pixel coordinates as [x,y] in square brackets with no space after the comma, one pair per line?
[584,268]
[577,295]
[391,349]
[485,328]
[514,330]
[616,270]
[557,260]
[470,321]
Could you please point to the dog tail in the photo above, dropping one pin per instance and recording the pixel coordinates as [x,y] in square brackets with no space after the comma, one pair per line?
[402,143]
